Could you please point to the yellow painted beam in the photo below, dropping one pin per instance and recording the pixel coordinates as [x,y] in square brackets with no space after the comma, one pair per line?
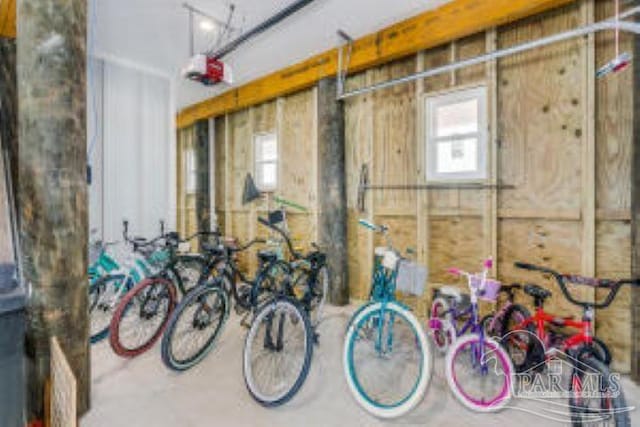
[452,21]
[8,18]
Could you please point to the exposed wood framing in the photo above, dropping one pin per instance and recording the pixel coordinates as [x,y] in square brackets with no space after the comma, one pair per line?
[8,18]
[491,213]
[454,20]
[589,148]
[635,215]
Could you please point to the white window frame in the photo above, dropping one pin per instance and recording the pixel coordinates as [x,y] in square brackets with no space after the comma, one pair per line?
[190,171]
[437,100]
[257,163]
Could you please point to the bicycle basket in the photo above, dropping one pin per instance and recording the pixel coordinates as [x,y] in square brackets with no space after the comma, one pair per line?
[491,288]
[388,258]
[411,278]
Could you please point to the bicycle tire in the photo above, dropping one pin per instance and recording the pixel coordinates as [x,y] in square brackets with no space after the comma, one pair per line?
[196,296]
[618,409]
[418,389]
[602,351]
[267,309]
[486,323]
[115,338]
[534,353]
[501,355]
[444,336]
[96,289]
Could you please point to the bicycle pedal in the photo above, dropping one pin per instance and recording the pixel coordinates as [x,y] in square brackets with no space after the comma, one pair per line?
[239,309]
[245,322]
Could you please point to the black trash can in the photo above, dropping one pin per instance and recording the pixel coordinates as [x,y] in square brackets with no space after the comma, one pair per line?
[12,361]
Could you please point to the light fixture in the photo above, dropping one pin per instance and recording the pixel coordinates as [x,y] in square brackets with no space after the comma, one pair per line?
[207,25]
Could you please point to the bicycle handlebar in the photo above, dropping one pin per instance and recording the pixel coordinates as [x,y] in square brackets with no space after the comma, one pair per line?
[266,223]
[562,279]
[248,245]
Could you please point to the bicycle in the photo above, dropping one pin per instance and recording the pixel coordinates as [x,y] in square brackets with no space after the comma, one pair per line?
[143,312]
[387,360]
[478,370]
[492,323]
[544,328]
[110,280]
[309,278]
[195,324]
[283,333]
[582,347]
[450,307]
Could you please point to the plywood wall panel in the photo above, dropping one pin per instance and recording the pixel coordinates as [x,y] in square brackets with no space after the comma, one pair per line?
[358,113]
[540,112]
[556,244]
[219,158]
[241,152]
[298,173]
[264,117]
[454,242]
[434,58]
[394,159]
[466,48]
[614,123]
[613,255]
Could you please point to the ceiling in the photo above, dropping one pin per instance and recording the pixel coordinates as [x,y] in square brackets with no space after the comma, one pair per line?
[154,34]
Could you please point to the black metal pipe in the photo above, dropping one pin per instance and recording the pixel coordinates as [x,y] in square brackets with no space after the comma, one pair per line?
[260,28]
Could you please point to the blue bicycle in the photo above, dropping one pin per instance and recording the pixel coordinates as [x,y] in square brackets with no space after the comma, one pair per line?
[387,359]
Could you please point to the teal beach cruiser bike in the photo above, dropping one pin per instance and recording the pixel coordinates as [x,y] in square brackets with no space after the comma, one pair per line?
[387,359]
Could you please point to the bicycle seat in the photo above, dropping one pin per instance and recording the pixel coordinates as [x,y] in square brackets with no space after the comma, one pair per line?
[451,292]
[267,256]
[536,291]
[214,250]
[511,287]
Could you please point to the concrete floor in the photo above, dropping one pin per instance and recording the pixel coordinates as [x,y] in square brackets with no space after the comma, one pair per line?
[142,392]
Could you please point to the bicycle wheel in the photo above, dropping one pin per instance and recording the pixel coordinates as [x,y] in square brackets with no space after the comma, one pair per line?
[601,351]
[596,402]
[142,316]
[277,351]
[522,345]
[104,295]
[194,326]
[189,269]
[490,326]
[441,325]
[386,359]
[479,373]
[312,291]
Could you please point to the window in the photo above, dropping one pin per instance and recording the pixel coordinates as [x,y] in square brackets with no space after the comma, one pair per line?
[266,161]
[190,171]
[456,133]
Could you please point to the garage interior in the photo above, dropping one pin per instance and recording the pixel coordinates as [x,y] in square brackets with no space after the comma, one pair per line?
[478,133]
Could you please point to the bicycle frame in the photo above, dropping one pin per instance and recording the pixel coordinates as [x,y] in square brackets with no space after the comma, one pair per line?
[541,318]
[472,324]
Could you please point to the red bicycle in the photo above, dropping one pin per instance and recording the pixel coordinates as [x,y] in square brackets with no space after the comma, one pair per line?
[532,341]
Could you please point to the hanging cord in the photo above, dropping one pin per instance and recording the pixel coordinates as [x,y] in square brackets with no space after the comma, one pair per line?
[93,102]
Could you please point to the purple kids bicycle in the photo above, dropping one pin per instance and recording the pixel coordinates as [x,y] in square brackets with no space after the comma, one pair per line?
[479,371]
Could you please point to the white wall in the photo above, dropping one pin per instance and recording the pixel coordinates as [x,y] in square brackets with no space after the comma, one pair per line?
[132,161]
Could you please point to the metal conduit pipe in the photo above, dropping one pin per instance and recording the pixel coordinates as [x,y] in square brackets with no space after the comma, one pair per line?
[625,26]
[260,28]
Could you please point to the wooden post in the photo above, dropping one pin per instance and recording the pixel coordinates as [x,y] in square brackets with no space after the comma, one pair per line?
[203,203]
[635,216]
[332,199]
[52,193]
